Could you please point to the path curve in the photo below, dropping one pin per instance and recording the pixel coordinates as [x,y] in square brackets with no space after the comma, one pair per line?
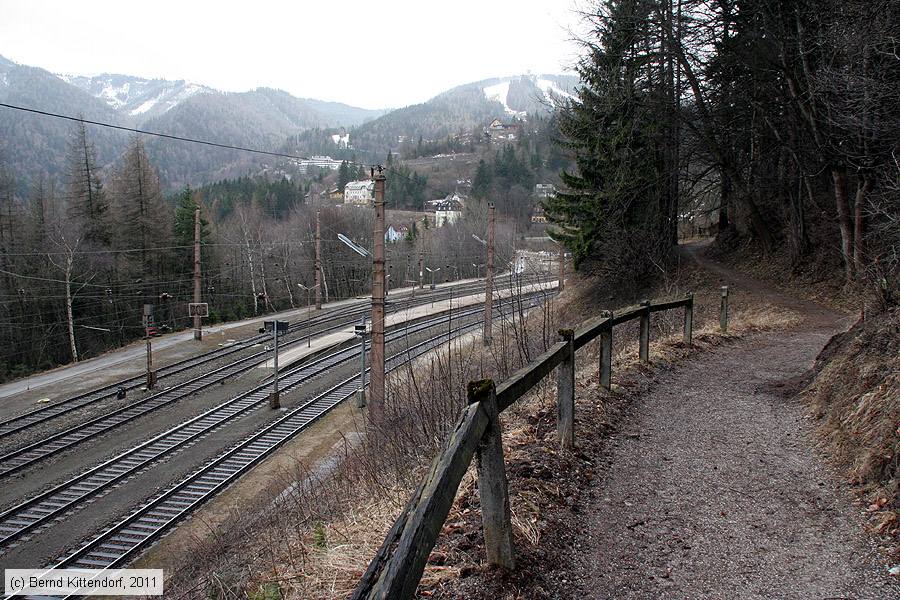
[713,488]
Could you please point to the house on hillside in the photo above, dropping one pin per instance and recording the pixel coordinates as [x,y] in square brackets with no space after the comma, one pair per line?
[538,215]
[359,193]
[544,190]
[335,194]
[395,233]
[447,212]
[502,130]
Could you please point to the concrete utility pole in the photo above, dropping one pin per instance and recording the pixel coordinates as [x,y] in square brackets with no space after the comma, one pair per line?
[489,279]
[562,267]
[376,379]
[318,284]
[198,323]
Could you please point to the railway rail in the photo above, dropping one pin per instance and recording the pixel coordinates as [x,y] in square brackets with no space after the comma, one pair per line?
[124,540]
[51,504]
[33,453]
[345,316]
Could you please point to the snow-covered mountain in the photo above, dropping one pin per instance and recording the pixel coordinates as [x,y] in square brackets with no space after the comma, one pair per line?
[466,108]
[262,118]
[549,90]
[135,96]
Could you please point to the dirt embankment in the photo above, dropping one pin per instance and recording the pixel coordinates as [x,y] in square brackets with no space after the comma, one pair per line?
[854,395]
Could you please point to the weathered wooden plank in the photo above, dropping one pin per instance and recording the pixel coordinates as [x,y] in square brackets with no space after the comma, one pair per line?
[493,486]
[645,332]
[606,356]
[401,574]
[565,392]
[660,305]
[528,376]
[689,319]
[723,310]
[591,329]
[629,313]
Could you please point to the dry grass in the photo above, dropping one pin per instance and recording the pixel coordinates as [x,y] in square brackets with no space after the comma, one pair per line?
[315,541]
[859,416]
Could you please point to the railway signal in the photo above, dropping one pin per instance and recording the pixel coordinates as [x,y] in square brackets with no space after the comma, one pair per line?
[149,332]
[274,327]
[360,332]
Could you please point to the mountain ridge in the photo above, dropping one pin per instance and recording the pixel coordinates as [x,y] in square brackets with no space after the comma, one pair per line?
[265,118]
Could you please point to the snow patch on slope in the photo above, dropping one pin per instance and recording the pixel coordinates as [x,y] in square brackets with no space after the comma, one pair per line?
[146,106]
[552,91]
[168,98]
[498,93]
[115,95]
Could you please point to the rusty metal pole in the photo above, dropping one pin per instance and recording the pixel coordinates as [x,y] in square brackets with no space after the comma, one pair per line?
[376,379]
[198,324]
[318,283]
[489,279]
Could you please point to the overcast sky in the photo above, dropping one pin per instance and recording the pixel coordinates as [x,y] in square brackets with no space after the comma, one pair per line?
[370,54]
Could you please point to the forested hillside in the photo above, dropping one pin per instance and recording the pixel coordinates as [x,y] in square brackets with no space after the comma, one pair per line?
[779,119]
[261,118]
[81,254]
[452,121]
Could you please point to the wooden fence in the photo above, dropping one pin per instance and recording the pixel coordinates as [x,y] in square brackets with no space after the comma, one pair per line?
[395,571]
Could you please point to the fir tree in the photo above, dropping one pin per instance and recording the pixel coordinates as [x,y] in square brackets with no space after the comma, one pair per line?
[88,208]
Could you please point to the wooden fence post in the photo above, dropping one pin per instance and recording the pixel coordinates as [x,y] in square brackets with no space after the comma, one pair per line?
[606,353]
[565,392]
[492,481]
[689,319]
[723,311]
[645,332]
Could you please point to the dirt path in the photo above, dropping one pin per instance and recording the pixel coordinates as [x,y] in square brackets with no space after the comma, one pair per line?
[712,488]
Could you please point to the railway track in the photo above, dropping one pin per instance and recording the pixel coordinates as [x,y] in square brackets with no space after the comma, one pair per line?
[137,531]
[33,453]
[345,316]
[51,504]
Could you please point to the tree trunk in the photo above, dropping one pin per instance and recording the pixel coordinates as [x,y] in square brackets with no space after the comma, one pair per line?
[252,278]
[262,272]
[724,201]
[69,320]
[862,191]
[839,177]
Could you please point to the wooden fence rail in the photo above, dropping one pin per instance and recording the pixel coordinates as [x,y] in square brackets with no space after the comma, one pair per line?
[396,569]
